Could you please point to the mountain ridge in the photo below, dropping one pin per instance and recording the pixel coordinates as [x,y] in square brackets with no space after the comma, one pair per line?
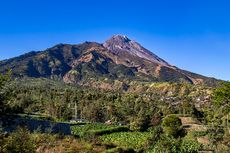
[119,58]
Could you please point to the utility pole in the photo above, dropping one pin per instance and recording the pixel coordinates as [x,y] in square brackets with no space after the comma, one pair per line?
[75,109]
[73,106]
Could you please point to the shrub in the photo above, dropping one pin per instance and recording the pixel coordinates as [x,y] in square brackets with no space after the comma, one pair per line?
[19,141]
[166,144]
[189,146]
[156,133]
[199,133]
[171,125]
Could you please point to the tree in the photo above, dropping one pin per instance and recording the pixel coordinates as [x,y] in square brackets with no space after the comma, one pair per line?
[171,125]
[187,107]
[221,100]
[222,94]
[4,79]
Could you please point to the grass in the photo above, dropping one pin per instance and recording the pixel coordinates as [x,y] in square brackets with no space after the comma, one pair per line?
[127,140]
[96,129]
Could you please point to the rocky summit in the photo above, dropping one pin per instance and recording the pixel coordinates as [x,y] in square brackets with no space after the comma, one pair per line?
[120,43]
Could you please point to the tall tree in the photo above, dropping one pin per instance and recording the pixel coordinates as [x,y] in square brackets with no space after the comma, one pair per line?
[4,79]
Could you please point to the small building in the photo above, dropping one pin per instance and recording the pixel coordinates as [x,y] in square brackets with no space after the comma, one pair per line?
[109,122]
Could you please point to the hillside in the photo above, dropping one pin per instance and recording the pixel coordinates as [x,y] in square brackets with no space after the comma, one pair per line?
[118,60]
[58,117]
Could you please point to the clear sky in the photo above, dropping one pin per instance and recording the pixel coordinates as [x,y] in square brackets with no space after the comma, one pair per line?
[191,34]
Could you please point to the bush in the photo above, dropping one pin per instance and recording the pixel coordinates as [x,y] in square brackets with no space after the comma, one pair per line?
[171,125]
[156,133]
[189,146]
[19,141]
[166,145]
[199,133]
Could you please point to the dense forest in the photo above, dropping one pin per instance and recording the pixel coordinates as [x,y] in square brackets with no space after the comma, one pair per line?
[157,117]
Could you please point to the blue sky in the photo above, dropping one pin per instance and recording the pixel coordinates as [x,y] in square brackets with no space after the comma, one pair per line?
[191,34]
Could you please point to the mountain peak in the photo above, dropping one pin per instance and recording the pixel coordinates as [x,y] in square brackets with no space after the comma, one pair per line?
[121,43]
[119,38]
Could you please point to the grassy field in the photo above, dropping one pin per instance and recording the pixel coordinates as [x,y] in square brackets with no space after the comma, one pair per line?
[127,140]
[96,129]
[119,136]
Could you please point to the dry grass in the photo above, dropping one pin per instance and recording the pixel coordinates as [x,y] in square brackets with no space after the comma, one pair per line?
[69,145]
[189,120]
[191,124]
[203,140]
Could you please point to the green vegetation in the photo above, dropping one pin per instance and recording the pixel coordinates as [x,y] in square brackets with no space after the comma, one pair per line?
[18,142]
[221,95]
[171,125]
[189,146]
[165,118]
[4,94]
[23,141]
[172,145]
[127,140]
[96,129]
